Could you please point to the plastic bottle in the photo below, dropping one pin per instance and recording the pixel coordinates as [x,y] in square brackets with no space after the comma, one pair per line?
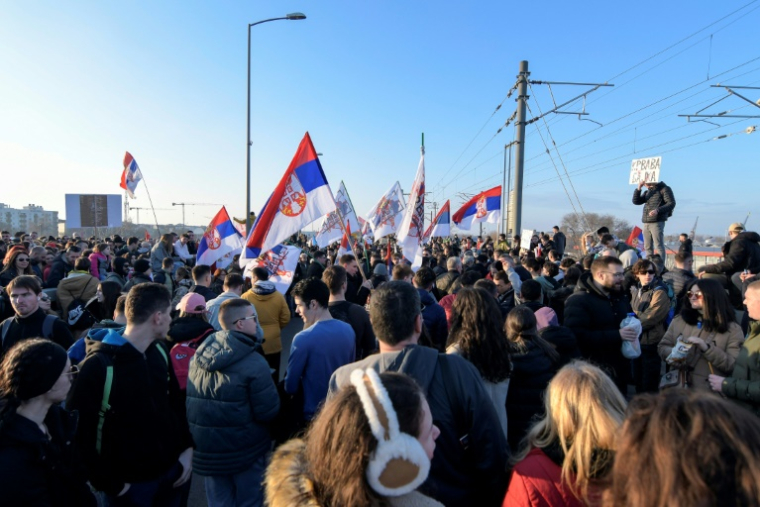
[631,349]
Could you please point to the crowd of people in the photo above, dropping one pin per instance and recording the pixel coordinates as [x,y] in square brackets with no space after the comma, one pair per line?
[490,375]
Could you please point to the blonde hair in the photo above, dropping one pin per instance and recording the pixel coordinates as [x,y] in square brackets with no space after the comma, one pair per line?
[583,412]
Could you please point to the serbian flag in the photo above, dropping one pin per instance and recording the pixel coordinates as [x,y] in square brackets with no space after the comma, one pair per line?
[441,224]
[131,175]
[345,244]
[484,207]
[221,238]
[301,197]
[280,262]
[636,234]
[412,228]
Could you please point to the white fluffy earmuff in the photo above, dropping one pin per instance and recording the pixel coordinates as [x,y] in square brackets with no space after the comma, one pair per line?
[399,464]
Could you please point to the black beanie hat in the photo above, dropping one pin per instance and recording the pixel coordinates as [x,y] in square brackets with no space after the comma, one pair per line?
[39,376]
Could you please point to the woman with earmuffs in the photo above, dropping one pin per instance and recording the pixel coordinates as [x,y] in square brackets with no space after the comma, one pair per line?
[369,446]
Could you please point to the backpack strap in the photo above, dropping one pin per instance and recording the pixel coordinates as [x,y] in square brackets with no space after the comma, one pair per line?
[104,406]
[47,326]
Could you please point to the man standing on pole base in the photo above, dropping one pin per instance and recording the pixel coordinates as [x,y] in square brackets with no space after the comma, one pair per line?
[658,204]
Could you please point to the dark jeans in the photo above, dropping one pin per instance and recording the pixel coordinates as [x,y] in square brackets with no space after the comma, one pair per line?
[160,492]
[646,370]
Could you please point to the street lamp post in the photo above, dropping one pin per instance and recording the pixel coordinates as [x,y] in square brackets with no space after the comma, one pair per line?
[291,16]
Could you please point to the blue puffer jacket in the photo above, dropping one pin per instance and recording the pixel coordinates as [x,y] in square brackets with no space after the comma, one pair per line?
[230,398]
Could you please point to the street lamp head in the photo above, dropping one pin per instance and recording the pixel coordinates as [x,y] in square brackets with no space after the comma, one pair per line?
[296,15]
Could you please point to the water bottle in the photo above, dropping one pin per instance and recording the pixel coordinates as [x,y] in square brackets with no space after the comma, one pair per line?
[632,349]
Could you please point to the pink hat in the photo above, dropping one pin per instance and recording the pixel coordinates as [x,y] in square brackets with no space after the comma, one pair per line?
[546,317]
[192,303]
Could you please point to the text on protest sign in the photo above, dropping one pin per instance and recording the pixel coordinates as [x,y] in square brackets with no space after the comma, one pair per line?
[646,170]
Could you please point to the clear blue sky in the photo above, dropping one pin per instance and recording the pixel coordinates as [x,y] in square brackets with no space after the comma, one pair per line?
[84,81]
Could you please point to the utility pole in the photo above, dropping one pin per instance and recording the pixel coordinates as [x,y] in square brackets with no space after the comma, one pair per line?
[515,204]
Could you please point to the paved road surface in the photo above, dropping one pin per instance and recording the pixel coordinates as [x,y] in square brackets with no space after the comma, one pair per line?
[197,491]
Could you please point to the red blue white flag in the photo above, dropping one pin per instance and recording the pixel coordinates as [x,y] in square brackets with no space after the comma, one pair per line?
[301,197]
[412,228]
[484,207]
[220,239]
[636,236]
[441,225]
[131,175]
[280,262]
[345,244]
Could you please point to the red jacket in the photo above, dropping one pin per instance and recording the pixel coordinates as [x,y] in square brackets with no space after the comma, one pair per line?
[536,482]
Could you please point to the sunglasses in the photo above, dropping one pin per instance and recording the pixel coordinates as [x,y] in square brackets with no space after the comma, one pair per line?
[23,260]
[694,295]
[647,272]
[250,317]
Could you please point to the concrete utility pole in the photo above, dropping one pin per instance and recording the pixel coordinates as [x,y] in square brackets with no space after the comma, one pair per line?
[515,204]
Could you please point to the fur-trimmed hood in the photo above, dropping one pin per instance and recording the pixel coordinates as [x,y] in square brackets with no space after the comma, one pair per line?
[286,483]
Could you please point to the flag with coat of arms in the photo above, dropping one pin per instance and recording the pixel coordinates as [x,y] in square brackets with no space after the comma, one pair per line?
[409,235]
[221,239]
[301,197]
[484,207]
[280,262]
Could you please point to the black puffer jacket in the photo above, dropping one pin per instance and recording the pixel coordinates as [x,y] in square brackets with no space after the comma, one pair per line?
[661,199]
[564,340]
[742,252]
[38,471]
[184,329]
[230,399]
[447,282]
[595,319]
[531,373]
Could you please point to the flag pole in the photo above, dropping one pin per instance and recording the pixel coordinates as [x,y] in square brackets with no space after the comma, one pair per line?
[145,184]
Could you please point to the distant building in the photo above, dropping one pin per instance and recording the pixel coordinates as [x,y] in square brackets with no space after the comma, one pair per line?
[29,218]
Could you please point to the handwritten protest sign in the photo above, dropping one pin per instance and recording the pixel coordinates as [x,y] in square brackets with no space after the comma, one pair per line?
[646,170]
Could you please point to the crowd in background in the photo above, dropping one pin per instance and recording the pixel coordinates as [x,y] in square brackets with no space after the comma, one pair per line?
[489,375]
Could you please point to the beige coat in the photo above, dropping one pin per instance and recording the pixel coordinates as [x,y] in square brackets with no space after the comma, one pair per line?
[77,285]
[721,355]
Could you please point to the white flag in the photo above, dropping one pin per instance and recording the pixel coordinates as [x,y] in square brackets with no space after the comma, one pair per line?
[281,262]
[385,218]
[413,225]
[330,229]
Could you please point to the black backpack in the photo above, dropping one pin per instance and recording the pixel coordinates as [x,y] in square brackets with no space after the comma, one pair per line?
[77,315]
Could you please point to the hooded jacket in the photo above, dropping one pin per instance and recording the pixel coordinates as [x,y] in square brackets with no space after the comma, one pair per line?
[595,319]
[98,265]
[651,305]
[184,329]
[743,386]
[230,398]
[742,252]
[145,430]
[463,411]
[660,199]
[38,471]
[136,279]
[273,312]
[287,482]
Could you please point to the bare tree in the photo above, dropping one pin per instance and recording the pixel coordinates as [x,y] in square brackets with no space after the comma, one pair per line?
[575,228]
